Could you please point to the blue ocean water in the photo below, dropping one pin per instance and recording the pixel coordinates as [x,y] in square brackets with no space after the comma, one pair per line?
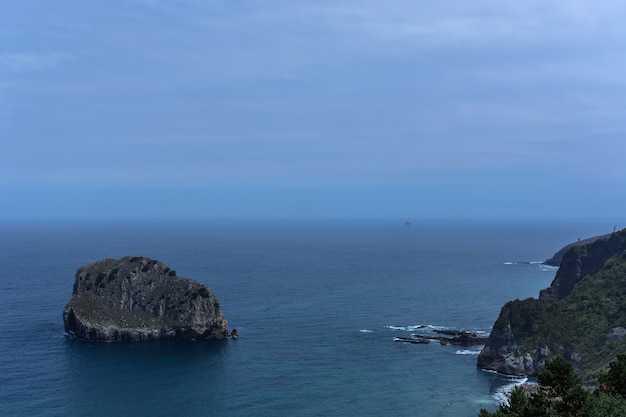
[317,304]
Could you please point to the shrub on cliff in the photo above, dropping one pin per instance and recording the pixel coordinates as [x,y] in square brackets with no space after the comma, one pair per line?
[614,380]
[561,394]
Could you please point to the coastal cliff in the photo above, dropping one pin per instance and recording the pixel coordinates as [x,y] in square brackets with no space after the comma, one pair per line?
[580,261]
[140,299]
[556,259]
[581,316]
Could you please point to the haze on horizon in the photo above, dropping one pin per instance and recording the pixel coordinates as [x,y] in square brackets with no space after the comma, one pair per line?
[343,108]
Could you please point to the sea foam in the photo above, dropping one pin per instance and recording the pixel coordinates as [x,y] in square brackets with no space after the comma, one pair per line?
[502,394]
[467,352]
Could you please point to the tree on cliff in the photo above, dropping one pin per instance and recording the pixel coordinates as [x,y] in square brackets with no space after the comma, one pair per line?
[614,381]
[561,394]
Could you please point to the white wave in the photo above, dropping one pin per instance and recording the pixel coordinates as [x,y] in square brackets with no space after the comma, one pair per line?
[414,328]
[524,263]
[502,394]
[425,328]
[467,352]
[396,327]
[549,268]
[366,331]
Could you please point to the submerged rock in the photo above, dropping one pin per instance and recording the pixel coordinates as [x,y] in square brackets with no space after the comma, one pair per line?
[138,299]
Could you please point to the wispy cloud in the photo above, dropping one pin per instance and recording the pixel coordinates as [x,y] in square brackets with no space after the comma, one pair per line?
[460,22]
[288,91]
[23,61]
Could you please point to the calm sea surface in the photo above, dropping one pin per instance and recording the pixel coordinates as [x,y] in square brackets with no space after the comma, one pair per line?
[317,305]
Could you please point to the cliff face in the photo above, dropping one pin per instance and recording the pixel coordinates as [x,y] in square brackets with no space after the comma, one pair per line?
[136,298]
[582,316]
[556,259]
[580,261]
[502,352]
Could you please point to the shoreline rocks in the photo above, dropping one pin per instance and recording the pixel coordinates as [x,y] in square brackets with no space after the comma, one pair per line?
[141,299]
[452,337]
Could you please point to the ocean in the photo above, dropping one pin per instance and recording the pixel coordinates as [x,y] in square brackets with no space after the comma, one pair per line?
[317,304]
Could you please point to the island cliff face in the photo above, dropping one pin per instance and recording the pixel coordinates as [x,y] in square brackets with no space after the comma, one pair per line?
[140,299]
[581,316]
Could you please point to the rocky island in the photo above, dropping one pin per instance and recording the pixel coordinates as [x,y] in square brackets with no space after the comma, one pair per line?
[141,299]
[581,316]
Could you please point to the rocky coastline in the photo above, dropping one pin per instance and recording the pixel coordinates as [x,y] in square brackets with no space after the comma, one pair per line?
[579,317]
[446,337]
[555,260]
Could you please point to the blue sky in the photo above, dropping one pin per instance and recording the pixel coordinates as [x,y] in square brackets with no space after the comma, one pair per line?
[401,108]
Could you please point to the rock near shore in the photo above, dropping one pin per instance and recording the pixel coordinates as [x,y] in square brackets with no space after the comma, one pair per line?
[141,299]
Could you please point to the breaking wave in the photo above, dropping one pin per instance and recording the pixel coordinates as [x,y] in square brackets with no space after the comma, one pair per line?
[417,328]
[502,394]
[524,263]
[431,328]
[543,267]
[467,352]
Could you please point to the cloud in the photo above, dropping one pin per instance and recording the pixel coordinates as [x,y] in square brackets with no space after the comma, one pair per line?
[459,22]
[303,92]
[22,61]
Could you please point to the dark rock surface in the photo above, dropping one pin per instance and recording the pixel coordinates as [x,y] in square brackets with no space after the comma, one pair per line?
[452,337]
[580,261]
[556,259]
[503,354]
[140,299]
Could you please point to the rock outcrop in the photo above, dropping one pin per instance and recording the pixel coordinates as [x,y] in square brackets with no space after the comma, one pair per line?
[580,317]
[452,337]
[502,352]
[140,299]
[580,261]
[556,259]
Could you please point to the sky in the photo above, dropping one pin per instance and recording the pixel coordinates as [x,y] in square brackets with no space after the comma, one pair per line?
[292,108]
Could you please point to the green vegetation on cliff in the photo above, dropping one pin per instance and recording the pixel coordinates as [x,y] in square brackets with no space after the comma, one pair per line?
[561,394]
[587,326]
